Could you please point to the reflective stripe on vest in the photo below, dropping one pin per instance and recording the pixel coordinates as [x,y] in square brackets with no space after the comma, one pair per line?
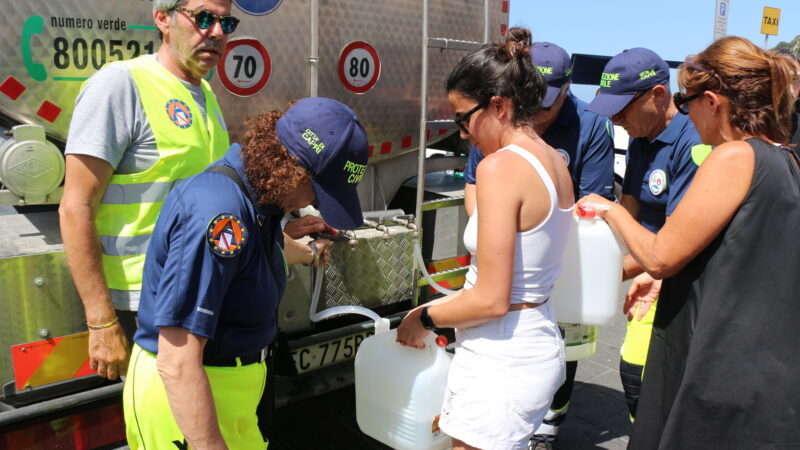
[186,144]
[128,194]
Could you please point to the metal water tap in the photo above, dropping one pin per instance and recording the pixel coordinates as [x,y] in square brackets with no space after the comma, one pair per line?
[382,227]
[408,221]
[353,241]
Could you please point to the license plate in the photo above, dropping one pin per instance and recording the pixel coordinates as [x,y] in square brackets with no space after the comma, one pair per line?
[317,356]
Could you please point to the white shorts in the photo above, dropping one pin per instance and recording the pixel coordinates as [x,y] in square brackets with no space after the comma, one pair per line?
[503,378]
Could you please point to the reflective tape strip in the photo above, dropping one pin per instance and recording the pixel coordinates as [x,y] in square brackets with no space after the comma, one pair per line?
[121,296]
[125,245]
[51,360]
[129,194]
[205,311]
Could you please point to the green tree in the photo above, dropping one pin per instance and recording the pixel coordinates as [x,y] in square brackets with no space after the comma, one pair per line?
[793,46]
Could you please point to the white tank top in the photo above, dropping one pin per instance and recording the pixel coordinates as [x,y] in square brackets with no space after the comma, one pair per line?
[537,252]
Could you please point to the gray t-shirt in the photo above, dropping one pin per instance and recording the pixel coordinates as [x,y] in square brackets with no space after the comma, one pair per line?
[109,121]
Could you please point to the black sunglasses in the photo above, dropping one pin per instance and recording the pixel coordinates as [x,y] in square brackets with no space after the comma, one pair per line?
[461,121]
[682,103]
[205,19]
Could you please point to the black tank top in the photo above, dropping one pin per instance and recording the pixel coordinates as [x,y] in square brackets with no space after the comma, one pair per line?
[725,353]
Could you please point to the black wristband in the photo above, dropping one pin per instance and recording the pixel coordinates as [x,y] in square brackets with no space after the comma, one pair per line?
[426,320]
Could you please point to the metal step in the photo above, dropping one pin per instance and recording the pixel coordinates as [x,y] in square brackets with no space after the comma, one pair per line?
[453,44]
[448,202]
[447,124]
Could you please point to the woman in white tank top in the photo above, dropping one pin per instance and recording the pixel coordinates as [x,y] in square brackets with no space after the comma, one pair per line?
[509,353]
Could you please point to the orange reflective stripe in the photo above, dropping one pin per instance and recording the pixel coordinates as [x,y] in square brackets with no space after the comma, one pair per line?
[447,264]
[51,360]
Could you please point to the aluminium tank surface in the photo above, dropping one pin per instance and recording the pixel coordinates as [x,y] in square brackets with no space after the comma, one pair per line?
[52,46]
[37,297]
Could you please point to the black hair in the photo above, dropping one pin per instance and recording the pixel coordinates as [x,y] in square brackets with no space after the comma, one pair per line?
[502,69]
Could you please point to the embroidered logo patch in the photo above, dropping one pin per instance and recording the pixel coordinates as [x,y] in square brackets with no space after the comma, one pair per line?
[179,113]
[657,182]
[226,235]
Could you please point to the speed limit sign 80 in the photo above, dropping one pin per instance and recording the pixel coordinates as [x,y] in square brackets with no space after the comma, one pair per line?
[359,67]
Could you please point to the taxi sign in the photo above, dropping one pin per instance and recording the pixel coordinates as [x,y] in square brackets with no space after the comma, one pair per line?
[769,21]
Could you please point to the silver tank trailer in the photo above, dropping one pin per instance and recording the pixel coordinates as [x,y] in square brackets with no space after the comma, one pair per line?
[52,46]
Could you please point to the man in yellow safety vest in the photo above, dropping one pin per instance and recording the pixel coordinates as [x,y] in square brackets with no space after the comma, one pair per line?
[139,128]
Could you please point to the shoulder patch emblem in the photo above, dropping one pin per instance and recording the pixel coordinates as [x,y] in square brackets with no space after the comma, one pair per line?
[226,235]
[179,113]
[658,182]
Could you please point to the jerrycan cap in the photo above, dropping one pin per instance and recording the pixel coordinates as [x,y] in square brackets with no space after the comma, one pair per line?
[586,211]
[441,340]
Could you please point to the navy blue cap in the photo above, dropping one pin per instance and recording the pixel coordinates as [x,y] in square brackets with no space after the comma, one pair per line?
[632,71]
[331,144]
[555,65]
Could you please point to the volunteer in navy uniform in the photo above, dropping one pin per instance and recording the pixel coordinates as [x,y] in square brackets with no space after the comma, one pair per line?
[216,269]
[584,140]
[663,155]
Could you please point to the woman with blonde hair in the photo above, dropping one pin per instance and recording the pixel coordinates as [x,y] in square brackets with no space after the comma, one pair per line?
[723,355]
[509,352]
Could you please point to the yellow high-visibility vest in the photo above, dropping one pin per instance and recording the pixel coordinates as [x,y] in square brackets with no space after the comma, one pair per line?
[186,145]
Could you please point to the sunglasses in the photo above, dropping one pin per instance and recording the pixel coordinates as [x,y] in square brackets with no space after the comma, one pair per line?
[621,114]
[690,63]
[682,102]
[461,121]
[205,19]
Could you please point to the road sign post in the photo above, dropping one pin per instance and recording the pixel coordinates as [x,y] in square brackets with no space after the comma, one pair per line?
[769,23]
[721,19]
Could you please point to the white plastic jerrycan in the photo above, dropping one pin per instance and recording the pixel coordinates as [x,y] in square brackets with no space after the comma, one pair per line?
[589,289]
[399,392]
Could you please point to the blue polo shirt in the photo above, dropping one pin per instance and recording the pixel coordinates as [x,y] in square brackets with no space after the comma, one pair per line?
[209,275]
[659,172]
[586,143]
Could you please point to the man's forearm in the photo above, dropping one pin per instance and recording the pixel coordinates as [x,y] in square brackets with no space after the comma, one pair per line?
[83,251]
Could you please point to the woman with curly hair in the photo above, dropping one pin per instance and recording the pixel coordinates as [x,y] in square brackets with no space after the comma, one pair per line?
[721,371]
[509,352]
[216,269]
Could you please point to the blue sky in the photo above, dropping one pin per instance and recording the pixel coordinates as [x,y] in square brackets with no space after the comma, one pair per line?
[672,28]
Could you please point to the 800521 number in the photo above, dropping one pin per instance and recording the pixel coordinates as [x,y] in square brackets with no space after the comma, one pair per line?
[80,52]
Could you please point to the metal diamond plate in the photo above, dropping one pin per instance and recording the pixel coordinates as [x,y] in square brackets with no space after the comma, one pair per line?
[377,271]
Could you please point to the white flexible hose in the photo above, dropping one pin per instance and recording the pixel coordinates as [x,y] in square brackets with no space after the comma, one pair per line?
[381,324]
[425,274]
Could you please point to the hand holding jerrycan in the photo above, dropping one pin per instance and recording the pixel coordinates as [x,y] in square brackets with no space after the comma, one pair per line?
[399,391]
[589,289]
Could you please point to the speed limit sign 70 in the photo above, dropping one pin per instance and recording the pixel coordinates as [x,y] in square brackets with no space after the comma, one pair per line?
[359,67]
[245,68]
